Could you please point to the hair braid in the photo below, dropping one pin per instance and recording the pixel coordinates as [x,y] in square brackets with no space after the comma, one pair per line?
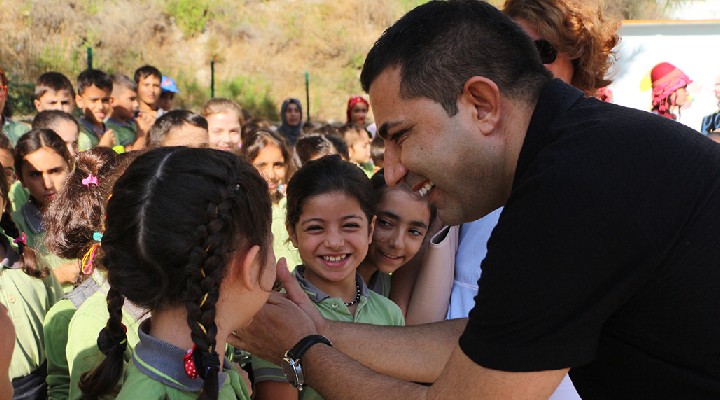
[113,342]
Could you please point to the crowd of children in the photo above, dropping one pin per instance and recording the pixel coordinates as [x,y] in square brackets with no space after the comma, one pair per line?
[137,238]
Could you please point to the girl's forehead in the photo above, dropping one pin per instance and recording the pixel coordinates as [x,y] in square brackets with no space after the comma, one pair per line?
[401,199]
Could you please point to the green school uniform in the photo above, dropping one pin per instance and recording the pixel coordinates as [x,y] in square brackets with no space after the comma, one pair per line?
[281,243]
[380,283]
[18,195]
[157,372]
[13,129]
[28,219]
[90,318]
[27,300]
[57,322]
[372,309]
[125,132]
[89,135]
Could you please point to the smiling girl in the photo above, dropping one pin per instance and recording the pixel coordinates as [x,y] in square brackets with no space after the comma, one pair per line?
[330,221]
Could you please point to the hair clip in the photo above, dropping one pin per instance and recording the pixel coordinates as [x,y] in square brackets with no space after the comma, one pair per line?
[97,236]
[198,365]
[90,180]
[21,239]
[86,264]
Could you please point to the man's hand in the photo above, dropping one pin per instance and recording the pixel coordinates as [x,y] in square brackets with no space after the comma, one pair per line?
[280,323]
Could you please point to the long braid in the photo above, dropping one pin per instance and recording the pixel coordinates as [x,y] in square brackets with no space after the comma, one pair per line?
[206,266]
[112,341]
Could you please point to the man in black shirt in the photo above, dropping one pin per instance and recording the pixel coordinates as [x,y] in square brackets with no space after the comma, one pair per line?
[605,260]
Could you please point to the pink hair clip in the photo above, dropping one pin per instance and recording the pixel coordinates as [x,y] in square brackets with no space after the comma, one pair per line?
[21,239]
[90,180]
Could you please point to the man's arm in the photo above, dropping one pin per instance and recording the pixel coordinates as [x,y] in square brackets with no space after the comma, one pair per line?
[336,376]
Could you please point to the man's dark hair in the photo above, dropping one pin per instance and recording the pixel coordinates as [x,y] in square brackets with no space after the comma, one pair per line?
[94,77]
[145,71]
[440,44]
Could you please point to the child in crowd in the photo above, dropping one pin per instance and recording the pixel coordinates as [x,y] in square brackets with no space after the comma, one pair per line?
[330,220]
[312,146]
[75,223]
[61,123]
[340,146]
[93,98]
[179,128]
[12,129]
[188,238]
[168,89]
[148,80]
[42,162]
[358,144]
[377,152]
[225,121]
[54,91]
[130,132]
[401,224]
[27,292]
[269,155]
[356,112]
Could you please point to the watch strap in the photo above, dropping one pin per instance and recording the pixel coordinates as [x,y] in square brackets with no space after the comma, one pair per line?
[302,346]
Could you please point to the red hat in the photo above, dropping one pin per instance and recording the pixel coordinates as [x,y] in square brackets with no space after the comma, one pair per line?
[666,79]
[352,102]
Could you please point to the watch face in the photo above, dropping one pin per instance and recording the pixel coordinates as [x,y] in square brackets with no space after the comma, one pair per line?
[293,371]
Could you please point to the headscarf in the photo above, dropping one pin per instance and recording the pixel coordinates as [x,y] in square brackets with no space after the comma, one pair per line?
[666,79]
[290,132]
[351,103]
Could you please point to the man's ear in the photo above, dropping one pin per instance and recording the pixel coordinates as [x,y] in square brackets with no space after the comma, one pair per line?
[292,235]
[241,268]
[484,96]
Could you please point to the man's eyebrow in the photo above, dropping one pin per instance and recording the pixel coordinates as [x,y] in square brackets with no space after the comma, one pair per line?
[383,130]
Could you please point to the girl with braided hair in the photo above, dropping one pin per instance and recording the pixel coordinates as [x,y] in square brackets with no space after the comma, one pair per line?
[187,237]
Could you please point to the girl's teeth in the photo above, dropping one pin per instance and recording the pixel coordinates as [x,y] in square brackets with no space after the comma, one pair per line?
[335,259]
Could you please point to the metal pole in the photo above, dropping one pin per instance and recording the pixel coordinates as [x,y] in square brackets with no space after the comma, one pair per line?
[307,95]
[212,79]
[89,58]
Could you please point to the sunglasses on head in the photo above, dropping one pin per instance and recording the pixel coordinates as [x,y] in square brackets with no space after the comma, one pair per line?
[548,53]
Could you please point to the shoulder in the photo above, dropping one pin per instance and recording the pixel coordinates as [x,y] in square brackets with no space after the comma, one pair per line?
[137,385]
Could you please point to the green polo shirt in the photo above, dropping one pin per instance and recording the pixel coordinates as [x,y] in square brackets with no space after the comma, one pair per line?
[18,195]
[13,130]
[27,300]
[89,135]
[372,309]
[91,317]
[125,132]
[157,372]
[281,242]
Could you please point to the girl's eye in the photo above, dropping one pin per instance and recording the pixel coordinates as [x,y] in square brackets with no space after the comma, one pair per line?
[35,174]
[351,226]
[313,228]
[417,232]
[384,222]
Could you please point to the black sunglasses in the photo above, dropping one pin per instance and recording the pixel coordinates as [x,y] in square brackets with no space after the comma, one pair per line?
[548,53]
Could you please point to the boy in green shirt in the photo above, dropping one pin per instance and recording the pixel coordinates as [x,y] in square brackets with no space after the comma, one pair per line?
[94,91]
[130,132]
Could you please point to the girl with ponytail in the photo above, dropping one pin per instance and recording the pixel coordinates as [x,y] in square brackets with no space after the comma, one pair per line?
[187,237]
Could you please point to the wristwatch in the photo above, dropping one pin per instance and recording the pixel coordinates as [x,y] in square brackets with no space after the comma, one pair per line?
[291,361]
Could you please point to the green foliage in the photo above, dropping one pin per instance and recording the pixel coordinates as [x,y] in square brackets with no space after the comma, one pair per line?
[190,15]
[20,98]
[253,93]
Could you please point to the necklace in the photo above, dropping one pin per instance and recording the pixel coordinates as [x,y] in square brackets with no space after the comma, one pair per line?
[349,303]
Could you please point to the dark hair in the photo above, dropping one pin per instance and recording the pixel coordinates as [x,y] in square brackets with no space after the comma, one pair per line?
[79,209]
[377,151]
[258,140]
[441,44]
[34,140]
[49,118]
[340,146]
[326,175]
[122,81]
[53,81]
[379,186]
[172,120]
[94,77]
[177,218]
[5,142]
[145,71]
[310,146]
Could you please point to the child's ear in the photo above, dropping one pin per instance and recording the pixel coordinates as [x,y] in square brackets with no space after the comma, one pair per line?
[241,268]
[292,235]
[37,104]
[112,101]
[371,228]
[78,101]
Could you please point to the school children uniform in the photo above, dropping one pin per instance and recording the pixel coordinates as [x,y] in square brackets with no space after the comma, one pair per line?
[57,323]
[281,243]
[27,300]
[89,135]
[18,195]
[28,219]
[14,129]
[380,283]
[157,372]
[90,318]
[371,309]
[125,132]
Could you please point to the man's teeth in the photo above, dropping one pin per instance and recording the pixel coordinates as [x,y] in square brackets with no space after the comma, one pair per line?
[425,189]
[335,258]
